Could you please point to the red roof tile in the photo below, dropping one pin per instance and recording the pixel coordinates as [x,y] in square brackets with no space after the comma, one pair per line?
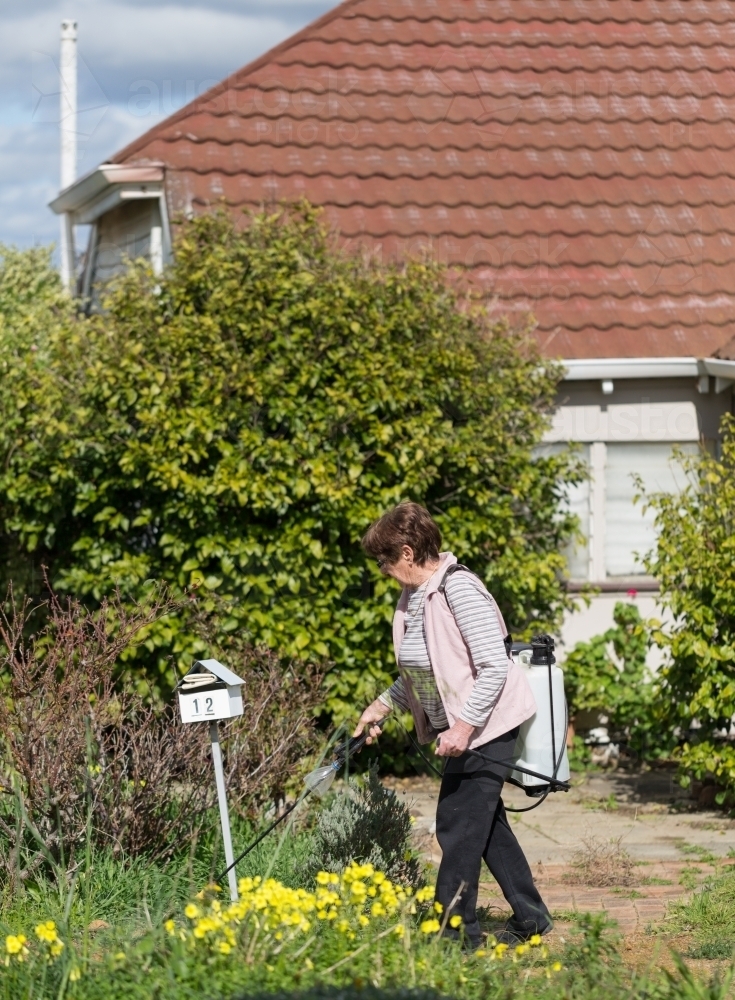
[575,156]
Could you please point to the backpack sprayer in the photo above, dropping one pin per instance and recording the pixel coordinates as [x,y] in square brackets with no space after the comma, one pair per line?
[541,744]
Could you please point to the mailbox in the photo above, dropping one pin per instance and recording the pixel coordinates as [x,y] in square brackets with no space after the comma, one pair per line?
[208,692]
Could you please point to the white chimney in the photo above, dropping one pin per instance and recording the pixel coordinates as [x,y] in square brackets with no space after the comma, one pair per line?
[68,137]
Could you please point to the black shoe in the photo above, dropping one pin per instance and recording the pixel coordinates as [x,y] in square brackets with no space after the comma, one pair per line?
[512,934]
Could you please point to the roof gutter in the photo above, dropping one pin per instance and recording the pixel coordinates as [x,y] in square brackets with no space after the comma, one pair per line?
[603,369]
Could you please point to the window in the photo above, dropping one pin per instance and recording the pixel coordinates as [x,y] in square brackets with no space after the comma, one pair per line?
[578,501]
[629,532]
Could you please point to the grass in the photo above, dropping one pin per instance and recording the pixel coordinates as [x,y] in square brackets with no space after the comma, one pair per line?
[709,914]
[112,916]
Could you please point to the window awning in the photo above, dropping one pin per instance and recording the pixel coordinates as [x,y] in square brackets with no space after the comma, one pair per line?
[105,188]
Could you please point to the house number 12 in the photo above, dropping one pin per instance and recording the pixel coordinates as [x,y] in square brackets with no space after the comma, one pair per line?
[209,710]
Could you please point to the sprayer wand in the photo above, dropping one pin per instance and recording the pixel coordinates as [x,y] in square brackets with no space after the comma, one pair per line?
[318,781]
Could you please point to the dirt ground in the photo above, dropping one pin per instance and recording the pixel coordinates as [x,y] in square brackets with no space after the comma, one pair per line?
[670,840]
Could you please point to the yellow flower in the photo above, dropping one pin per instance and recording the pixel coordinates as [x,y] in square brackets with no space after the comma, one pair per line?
[363,920]
[425,894]
[15,945]
[322,878]
[556,967]
[119,956]
[480,953]
[399,929]
[56,948]
[75,974]
[192,911]
[455,921]
[438,907]
[430,926]
[47,931]
[521,949]
[170,926]
[500,950]
[377,910]
[535,940]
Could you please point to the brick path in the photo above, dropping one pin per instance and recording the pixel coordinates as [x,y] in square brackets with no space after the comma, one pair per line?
[633,907]
[651,816]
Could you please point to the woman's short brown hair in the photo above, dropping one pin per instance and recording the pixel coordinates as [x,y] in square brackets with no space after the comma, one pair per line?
[407,524]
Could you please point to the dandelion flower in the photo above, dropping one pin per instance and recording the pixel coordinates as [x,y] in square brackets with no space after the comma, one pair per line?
[455,921]
[430,926]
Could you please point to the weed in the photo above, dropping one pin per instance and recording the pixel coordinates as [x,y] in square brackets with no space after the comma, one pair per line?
[610,804]
[601,863]
[713,949]
[689,877]
[702,854]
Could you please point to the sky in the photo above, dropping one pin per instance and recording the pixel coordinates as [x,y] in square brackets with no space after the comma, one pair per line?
[124,47]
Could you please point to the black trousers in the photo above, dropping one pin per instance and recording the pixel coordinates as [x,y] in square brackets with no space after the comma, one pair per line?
[472,826]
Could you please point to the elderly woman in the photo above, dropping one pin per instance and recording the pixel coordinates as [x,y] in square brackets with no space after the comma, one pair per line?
[462,689]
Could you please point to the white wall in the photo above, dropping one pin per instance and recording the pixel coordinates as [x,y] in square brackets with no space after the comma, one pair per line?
[586,622]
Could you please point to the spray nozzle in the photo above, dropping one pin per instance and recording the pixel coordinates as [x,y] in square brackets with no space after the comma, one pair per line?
[320,781]
[543,650]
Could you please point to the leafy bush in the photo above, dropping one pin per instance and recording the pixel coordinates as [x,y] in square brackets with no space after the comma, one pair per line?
[608,674]
[238,423]
[369,823]
[83,759]
[33,310]
[694,560]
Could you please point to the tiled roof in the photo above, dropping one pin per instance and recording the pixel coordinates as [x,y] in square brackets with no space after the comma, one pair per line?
[577,156]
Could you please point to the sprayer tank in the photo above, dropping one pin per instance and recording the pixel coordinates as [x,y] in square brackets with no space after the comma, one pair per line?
[534,745]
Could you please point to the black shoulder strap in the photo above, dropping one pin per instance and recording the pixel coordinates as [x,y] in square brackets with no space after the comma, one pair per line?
[448,572]
[441,589]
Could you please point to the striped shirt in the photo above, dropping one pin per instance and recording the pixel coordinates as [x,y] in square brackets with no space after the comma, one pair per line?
[478,624]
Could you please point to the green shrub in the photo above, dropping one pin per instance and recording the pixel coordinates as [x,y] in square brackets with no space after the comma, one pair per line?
[238,423]
[694,560]
[369,823]
[608,674]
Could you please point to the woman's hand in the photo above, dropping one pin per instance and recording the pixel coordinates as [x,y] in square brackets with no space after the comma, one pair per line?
[455,741]
[372,714]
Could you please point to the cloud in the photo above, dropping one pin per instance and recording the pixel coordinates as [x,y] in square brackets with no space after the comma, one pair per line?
[180,47]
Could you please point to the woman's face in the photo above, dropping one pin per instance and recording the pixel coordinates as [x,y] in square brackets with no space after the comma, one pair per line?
[405,570]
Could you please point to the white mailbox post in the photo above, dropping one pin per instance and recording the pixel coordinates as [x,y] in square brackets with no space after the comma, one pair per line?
[210,692]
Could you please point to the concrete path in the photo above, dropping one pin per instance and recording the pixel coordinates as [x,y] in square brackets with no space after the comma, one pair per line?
[674,845]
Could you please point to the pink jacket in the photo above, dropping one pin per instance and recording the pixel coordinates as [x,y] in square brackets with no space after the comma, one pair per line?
[453,667]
